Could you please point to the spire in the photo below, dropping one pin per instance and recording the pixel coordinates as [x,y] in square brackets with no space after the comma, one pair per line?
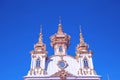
[81,36]
[60,26]
[40,38]
[60,29]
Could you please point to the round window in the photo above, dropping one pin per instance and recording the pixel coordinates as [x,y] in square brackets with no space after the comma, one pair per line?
[62,64]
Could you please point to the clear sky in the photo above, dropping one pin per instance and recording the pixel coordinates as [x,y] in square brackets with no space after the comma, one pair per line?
[20,22]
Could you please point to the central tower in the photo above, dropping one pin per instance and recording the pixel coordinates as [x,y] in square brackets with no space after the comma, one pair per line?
[60,41]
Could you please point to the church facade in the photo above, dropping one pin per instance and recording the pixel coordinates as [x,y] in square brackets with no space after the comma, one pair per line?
[61,66]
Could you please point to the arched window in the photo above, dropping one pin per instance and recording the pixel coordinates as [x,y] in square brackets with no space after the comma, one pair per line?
[60,49]
[38,63]
[85,63]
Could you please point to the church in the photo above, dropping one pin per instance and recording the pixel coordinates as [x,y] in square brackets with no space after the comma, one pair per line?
[61,66]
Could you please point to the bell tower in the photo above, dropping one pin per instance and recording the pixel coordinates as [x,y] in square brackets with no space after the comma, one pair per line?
[60,41]
[38,58]
[84,57]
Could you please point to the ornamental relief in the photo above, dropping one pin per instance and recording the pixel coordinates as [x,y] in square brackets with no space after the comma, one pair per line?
[62,73]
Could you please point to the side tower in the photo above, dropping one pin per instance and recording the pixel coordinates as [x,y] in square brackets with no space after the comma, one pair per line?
[38,59]
[84,57]
[60,41]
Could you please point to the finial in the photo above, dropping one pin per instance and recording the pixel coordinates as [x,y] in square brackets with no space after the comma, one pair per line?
[41,28]
[80,28]
[60,21]
[40,38]
[81,35]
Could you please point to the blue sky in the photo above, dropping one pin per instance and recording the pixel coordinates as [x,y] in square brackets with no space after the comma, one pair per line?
[20,22]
